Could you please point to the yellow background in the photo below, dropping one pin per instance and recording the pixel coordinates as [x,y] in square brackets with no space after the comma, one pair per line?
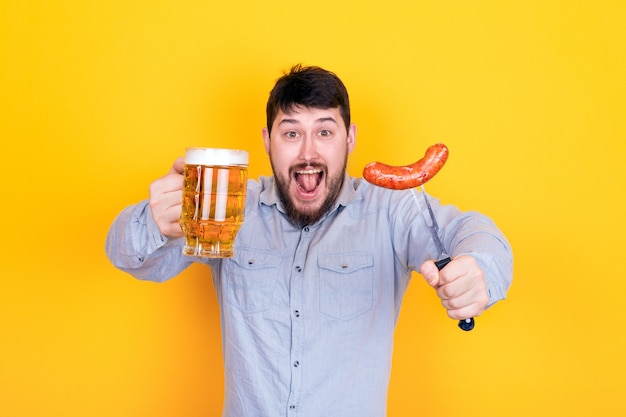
[99,97]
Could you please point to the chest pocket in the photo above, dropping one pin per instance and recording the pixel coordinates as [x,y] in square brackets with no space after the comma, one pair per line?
[346,284]
[252,279]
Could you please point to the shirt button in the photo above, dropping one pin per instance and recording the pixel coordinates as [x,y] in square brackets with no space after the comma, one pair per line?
[296,313]
[306,229]
[292,407]
[296,364]
[298,269]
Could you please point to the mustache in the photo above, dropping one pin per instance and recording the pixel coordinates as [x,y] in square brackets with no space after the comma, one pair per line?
[304,166]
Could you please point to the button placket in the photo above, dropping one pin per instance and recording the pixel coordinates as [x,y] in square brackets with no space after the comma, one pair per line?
[297,329]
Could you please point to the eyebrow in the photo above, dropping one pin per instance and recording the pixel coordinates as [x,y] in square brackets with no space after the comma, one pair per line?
[320,120]
[326,119]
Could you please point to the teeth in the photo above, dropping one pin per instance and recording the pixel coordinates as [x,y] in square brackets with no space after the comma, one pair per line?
[309,171]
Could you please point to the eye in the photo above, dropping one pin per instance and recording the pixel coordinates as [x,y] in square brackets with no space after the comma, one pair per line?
[325,133]
[291,134]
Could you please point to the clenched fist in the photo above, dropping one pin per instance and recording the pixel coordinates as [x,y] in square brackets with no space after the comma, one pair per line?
[460,286]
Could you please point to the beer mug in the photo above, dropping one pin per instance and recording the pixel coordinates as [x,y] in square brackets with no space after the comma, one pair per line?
[214,199]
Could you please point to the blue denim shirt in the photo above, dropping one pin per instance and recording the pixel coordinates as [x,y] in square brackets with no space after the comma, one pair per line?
[308,314]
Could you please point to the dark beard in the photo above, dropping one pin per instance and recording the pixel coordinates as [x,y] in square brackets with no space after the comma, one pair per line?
[299,218]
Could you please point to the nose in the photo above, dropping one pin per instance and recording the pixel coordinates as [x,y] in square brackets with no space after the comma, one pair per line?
[308,149]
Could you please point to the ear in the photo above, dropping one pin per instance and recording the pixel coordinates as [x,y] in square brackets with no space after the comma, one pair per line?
[266,139]
[351,137]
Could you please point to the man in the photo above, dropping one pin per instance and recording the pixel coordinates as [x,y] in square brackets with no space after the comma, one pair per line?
[310,300]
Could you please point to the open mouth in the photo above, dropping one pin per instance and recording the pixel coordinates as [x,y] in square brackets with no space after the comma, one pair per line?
[308,179]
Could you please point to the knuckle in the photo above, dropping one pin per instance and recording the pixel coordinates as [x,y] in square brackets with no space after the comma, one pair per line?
[453,314]
[444,292]
[453,304]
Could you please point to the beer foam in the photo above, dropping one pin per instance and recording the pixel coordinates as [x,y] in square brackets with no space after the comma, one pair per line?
[215,156]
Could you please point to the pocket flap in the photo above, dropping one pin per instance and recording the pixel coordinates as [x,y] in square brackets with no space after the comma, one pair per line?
[346,263]
[254,259]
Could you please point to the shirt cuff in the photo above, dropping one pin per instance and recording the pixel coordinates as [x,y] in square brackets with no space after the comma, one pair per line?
[155,238]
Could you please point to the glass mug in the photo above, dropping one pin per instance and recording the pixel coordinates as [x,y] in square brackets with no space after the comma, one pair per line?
[214,200]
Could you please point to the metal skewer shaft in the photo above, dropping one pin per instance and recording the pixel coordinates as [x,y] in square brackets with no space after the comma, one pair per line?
[467,324]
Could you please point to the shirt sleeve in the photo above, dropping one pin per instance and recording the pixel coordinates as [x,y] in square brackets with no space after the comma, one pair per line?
[135,245]
[477,235]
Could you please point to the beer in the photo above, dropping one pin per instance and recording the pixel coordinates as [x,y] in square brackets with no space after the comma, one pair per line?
[214,198]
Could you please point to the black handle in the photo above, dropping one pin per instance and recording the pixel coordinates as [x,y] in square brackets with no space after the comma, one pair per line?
[467,324]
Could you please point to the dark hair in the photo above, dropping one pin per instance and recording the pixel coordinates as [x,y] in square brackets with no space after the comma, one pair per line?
[308,86]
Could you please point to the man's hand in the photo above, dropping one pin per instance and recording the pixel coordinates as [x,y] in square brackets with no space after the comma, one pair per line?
[460,286]
[166,200]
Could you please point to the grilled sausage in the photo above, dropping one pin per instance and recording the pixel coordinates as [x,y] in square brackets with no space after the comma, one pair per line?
[408,176]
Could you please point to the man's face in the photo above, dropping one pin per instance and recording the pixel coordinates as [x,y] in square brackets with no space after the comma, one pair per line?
[308,150]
